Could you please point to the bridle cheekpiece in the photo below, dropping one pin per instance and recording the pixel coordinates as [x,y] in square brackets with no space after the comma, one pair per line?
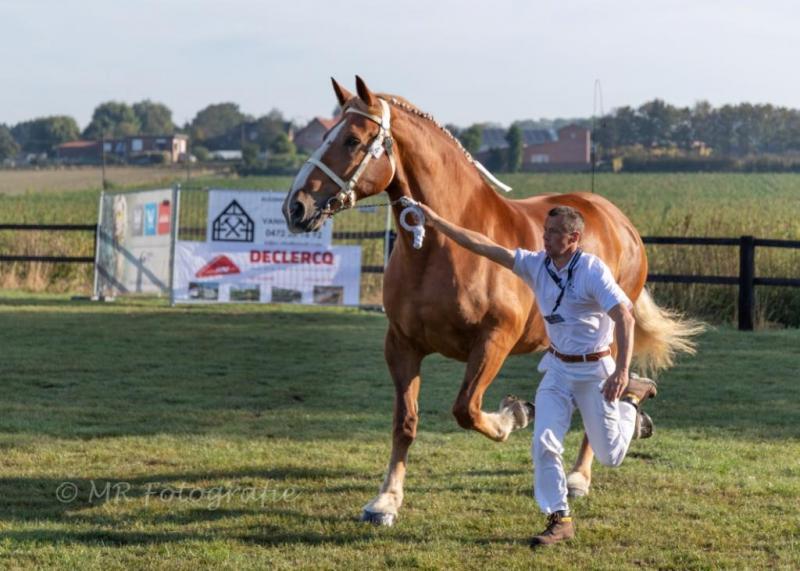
[346,197]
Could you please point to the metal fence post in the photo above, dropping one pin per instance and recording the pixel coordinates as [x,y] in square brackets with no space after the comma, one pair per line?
[747,271]
[96,283]
[173,238]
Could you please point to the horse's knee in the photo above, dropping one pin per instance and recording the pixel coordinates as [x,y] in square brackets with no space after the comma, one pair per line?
[406,429]
[464,414]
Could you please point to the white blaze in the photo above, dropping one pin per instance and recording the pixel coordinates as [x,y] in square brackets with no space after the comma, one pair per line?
[302,176]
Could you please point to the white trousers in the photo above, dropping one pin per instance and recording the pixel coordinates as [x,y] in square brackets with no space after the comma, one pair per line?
[609,426]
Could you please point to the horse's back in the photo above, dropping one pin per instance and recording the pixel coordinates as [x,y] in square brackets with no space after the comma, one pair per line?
[608,234]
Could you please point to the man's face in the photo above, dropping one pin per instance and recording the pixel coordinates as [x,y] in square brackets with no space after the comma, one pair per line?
[557,241]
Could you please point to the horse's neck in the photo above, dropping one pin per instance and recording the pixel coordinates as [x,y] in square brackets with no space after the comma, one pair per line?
[435,172]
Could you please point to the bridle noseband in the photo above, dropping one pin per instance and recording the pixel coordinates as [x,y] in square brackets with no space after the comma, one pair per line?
[346,197]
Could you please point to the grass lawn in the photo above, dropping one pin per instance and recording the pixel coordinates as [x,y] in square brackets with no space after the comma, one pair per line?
[134,435]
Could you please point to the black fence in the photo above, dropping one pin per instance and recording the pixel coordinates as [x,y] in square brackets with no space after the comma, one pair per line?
[52,228]
[746,280]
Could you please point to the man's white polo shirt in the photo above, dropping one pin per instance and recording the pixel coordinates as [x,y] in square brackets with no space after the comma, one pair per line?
[589,295]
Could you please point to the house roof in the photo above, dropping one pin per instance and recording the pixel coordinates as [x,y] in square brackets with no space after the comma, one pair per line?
[77,145]
[495,138]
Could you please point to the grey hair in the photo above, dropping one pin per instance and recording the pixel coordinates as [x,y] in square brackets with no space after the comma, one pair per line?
[573,220]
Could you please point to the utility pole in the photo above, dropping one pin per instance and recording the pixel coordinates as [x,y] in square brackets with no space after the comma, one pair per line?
[103,154]
[598,91]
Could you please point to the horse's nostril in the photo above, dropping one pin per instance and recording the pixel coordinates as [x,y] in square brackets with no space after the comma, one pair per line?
[297,210]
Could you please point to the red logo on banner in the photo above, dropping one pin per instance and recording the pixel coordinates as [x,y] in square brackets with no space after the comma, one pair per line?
[163,217]
[219,266]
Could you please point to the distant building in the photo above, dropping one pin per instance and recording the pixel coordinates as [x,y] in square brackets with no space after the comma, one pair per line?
[79,152]
[126,149]
[568,148]
[309,137]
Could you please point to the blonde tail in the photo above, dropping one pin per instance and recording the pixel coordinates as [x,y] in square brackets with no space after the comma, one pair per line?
[661,334]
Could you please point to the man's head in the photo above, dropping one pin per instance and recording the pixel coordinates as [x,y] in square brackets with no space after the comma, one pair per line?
[563,229]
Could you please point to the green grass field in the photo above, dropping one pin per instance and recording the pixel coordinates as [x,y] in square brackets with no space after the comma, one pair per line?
[249,437]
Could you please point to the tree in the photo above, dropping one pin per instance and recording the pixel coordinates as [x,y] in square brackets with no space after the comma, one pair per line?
[201,153]
[8,146]
[282,145]
[213,126]
[266,130]
[249,154]
[471,138]
[154,118]
[514,140]
[43,134]
[112,119]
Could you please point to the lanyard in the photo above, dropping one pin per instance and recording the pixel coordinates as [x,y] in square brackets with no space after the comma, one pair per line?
[557,279]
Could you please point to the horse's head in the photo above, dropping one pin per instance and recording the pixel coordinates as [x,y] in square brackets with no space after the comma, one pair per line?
[355,160]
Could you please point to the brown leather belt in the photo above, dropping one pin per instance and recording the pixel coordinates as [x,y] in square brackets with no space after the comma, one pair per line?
[580,358]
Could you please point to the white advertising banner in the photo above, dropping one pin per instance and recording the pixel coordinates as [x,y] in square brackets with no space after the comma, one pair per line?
[210,272]
[134,242]
[243,217]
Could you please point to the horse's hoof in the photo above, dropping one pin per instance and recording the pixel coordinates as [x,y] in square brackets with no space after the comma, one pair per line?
[577,486]
[521,411]
[381,519]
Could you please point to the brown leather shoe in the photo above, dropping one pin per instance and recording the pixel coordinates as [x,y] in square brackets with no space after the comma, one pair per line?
[559,528]
[639,390]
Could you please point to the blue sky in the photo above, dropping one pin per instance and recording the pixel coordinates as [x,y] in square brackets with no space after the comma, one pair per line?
[463,61]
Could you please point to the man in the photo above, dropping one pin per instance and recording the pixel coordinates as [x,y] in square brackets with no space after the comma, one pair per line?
[584,309]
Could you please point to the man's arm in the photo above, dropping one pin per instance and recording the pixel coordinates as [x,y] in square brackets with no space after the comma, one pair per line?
[473,241]
[623,334]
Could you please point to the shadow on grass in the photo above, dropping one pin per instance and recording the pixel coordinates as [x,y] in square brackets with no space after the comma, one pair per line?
[310,374]
[30,502]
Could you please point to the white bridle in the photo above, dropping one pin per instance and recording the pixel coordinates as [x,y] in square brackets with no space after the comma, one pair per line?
[346,197]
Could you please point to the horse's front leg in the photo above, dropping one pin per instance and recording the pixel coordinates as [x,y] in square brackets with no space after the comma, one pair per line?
[404,366]
[483,365]
[580,478]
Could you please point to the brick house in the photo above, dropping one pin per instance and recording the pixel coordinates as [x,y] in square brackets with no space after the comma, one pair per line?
[568,148]
[79,152]
[571,149]
[309,137]
[126,148]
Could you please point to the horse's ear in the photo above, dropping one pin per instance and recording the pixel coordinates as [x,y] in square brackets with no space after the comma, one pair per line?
[364,93]
[341,93]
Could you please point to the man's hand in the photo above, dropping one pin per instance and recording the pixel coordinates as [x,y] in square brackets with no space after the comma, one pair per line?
[615,385]
[430,215]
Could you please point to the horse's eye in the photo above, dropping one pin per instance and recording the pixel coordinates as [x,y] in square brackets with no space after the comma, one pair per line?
[352,142]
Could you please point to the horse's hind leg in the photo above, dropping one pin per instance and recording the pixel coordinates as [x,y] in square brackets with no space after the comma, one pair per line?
[482,366]
[580,478]
[404,365]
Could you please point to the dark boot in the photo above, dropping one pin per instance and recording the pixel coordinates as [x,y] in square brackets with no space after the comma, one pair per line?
[639,390]
[559,528]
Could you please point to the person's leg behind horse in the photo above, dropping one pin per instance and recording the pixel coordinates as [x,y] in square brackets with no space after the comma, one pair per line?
[610,426]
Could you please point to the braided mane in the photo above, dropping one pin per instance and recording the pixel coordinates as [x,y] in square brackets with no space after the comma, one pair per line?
[406,106]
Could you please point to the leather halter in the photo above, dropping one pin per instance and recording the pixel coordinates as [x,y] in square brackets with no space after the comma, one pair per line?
[346,197]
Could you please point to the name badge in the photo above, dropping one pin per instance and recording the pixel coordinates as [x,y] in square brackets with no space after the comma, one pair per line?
[554,318]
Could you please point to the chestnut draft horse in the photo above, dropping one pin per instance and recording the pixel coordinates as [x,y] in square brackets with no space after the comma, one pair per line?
[442,298]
